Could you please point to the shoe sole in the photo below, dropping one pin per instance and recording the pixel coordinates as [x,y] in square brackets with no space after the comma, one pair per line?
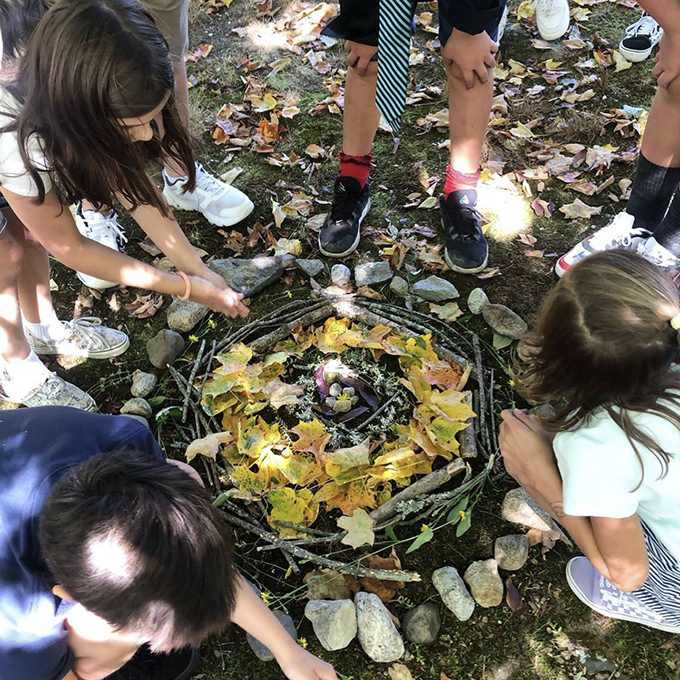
[354,245]
[556,34]
[235,216]
[634,56]
[560,271]
[603,612]
[108,354]
[87,280]
[4,397]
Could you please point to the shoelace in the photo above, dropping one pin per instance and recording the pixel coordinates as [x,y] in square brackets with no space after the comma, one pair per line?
[209,184]
[106,226]
[548,7]
[82,328]
[618,232]
[467,228]
[344,204]
[646,25]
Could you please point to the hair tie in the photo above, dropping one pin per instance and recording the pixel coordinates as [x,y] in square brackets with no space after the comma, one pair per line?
[675,322]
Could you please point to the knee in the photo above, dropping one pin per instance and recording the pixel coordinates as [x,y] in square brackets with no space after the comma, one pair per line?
[371,72]
[672,92]
[11,259]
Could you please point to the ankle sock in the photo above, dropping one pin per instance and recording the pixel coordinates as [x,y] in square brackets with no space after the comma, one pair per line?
[463,185]
[667,234]
[653,187]
[24,375]
[358,167]
[49,330]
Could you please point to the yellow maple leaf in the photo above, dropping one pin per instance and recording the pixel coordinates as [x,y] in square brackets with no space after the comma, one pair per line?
[292,505]
[313,437]
[208,446]
[450,404]
[281,394]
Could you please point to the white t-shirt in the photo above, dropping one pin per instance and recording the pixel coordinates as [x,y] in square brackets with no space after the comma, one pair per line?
[600,473]
[13,174]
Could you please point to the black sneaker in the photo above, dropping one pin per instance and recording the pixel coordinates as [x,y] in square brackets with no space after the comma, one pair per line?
[144,665]
[641,38]
[466,250]
[340,233]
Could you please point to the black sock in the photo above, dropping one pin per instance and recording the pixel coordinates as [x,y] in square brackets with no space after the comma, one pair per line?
[667,233]
[653,187]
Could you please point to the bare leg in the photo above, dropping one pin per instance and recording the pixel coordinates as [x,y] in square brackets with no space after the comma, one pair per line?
[658,146]
[182,101]
[361,117]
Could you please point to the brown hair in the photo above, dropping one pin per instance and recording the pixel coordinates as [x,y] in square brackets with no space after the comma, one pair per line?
[603,339]
[88,64]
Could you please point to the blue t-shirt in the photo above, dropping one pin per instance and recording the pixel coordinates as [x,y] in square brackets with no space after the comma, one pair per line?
[37,446]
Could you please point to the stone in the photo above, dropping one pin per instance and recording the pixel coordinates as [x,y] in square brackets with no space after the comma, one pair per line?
[262,652]
[164,347]
[520,508]
[137,407]
[511,552]
[251,276]
[421,625]
[504,321]
[139,419]
[371,273]
[340,275]
[334,622]
[342,406]
[399,286]
[335,389]
[143,384]
[378,635]
[594,665]
[435,289]
[454,593]
[485,583]
[185,315]
[477,300]
[310,267]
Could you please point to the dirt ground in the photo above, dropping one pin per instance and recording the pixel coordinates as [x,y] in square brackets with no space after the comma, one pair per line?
[553,635]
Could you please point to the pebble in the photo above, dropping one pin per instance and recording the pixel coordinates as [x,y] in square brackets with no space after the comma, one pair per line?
[185,315]
[164,347]
[421,625]
[137,407]
[520,508]
[435,289]
[485,583]
[340,275]
[378,635]
[512,551]
[143,384]
[371,273]
[342,406]
[453,592]
[594,665]
[139,419]
[334,622]
[251,276]
[310,267]
[477,300]
[335,389]
[399,286]
[504,321]
[262,652]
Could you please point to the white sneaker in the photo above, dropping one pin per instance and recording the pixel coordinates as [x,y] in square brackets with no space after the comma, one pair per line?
[103,229]
[552,18]
[641,38]
[662,257]
[619,233]
[221,204]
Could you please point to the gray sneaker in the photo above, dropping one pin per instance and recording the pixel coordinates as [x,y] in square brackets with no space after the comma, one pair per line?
[85,337]
[53,391]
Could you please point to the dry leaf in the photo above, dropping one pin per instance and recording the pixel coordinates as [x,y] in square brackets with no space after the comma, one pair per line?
[144,306]
[385,590]
[399,672]
[359,528]
[512,596]
[327,584]
[534,253]
[448,312]
[527,239]
[579,210]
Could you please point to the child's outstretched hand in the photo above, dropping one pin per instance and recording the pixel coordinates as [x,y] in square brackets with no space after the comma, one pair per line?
[218,298]
[299,664]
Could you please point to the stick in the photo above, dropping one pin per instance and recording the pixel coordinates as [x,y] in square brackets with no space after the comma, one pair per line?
[468,441]
[211,356]
[192,377]
[305,541]
[423,486]
[368,421]
[482,397]
[291,562]
[304,529]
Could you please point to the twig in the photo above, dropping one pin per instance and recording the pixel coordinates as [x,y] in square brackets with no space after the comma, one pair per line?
[368,421]
[305,541]
[211,356]
[301,528]
[467,438]
[185,388]
[291,561]
[192,377]
[482,396]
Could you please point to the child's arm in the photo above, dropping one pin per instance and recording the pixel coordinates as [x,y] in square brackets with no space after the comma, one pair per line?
[667,14]
[255,618]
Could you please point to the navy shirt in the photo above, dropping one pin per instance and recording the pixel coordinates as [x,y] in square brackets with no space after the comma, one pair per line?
[37,446]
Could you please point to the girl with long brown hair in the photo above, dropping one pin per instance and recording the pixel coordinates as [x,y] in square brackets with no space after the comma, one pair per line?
[606,464]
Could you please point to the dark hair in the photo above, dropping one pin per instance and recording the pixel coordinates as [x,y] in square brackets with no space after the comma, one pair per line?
[88,64]
[603,339]
[18,19]
[137,542]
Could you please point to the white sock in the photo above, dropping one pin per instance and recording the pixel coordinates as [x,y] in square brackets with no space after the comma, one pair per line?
[48,330]
[24,375]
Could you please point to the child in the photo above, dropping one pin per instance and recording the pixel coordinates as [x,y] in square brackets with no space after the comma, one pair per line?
[106,547]
[651,221]
[95,74]
[467,31]
[607,464]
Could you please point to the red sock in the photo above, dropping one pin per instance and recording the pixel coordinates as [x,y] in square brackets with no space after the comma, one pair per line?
[358,167]
[456,180]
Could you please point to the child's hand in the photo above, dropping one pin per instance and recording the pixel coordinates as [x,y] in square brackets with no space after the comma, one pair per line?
[359,56]
[667,67]
[471,55]
[218,298]
[298,664]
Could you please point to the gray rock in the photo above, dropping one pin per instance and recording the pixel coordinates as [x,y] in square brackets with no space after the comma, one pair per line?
[399,286]
[421,625]
[371,273]
[485,583]
[310,267]
[262,652]
[184,315]
[164,347]
[335,390]
[453,592]
[139,419]
[334,622]
[340,275]
[477,300]
[143,384]
[594,665]
[137,407]
[378,635]
[504,321]
[520,508]
[435,289]
[511,552]
[251,276]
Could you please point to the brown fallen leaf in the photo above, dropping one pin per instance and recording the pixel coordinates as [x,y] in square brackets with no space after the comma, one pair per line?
[399,672]
[527,239]
[579,210]
[489,273]
[201,52]
[368,292]
[534,253]
[513,597]
[327,584]
[144,306]
[385,590]
[148,246]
